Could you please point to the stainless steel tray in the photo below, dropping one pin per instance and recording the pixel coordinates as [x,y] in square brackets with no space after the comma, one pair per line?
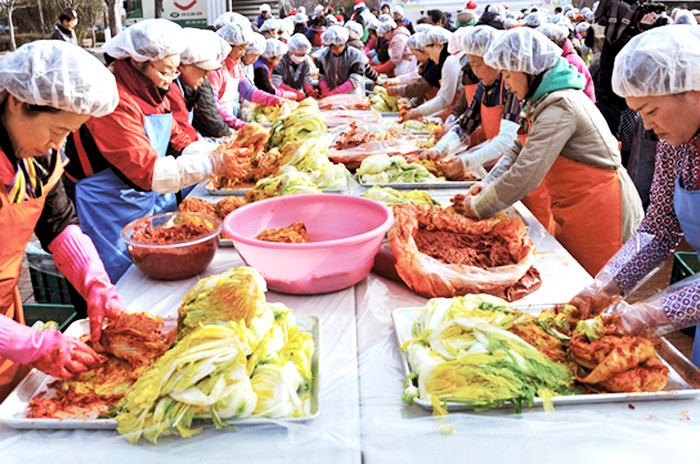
[422,185]
[13,411]
[242,189]
[678,387]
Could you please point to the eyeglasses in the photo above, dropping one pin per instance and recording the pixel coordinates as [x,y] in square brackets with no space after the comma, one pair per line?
[167,76]
[430,45]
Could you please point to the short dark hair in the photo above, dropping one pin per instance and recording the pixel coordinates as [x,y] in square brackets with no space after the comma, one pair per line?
[67,14]
[558,10]
[436,16]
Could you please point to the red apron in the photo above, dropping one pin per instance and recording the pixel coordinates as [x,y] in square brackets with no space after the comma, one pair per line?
[17,223]
[469,91]
[538,201]
[586,204]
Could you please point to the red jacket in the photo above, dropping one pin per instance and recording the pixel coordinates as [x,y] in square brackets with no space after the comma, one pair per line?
[119,140]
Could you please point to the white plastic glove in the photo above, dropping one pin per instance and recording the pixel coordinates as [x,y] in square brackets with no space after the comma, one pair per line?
[449,144]
[641,318]
[198,161]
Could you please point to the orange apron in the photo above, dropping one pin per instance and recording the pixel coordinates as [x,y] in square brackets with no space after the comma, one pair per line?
[538,201]
[17,223]
[469,91]
[586,206]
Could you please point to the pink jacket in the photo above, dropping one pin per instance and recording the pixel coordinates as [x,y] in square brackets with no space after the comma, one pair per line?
[398,50]
[577,62]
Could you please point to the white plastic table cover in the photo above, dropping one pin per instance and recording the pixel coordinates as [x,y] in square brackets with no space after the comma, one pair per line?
[333,437]
[394,432]
[362,416]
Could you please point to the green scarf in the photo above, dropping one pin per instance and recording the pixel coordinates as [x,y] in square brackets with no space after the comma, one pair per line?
[561,76]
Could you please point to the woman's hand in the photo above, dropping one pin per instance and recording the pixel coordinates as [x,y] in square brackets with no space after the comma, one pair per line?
[452,167]
[463,205]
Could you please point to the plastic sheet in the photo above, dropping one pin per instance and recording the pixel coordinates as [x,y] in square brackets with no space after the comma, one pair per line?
[343,102]
[352,157]
[337,118]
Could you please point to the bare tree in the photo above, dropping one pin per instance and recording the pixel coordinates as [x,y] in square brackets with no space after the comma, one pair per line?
[114,16]
[9,7]
[42,24]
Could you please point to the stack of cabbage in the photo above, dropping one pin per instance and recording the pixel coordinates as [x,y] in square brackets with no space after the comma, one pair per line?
[381,169]
[236,356]
[381,101]
[302,140]
[463,352]
[391,197]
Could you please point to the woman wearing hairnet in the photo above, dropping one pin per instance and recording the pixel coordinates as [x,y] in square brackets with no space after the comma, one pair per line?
[399,54]
[274,51]
[420,61]
[47,90]
[255,49]
[658,74]
[294,69]
[450,83]
[560,36]
[230,84]
[569,150]
[204,54]
[494,109]
[434,41]
[340,68]
[119,161]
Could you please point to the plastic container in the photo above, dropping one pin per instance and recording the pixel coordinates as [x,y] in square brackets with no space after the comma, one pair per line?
[345,232]
[48,284]
[178,259]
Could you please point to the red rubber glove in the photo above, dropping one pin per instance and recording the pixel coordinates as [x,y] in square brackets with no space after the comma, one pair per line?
[345,87]
[324,89]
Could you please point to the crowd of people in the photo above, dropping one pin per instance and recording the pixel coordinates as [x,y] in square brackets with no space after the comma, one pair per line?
[523,93]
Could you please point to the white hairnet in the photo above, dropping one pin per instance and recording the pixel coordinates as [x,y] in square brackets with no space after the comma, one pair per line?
[417,41]
[271,24]
[438,34]
[595,5]
[479,39]
[205,47]
[535,20]
[662,61]
[510,23]
[355,27]
[257,44]
[554,32]
[60,75]
[571,14]
[287,27]
[685,17]
[318,9]
[235,34]
[561,20]
[386,26]
[265,8]
[454,45]
[330,19]
[274,48]
[385,17]
[497,8]
[587,14]
[566,8]
[523,50]
[231,17]
[422,28]
[372,24]
[397,9]
[335,35]
[299,44]
[300,18]
[582,27]
[147,40]
[301,9]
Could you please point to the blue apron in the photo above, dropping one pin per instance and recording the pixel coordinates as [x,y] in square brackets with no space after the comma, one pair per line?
[686,204]
[106,204]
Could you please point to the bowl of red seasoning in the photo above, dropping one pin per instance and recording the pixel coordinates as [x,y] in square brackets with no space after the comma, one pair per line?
[172,246]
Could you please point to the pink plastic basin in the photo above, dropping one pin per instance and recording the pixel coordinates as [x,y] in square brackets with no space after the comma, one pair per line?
[345,232]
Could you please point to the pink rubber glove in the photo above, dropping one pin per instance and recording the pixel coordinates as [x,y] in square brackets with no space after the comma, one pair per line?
[287,92]
[76,257]
[324,89]
[48,350]
[266,99]
[345,87]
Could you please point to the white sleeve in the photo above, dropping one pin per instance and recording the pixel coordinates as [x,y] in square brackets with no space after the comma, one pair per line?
[194,165]
[451,77]
[494,148]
